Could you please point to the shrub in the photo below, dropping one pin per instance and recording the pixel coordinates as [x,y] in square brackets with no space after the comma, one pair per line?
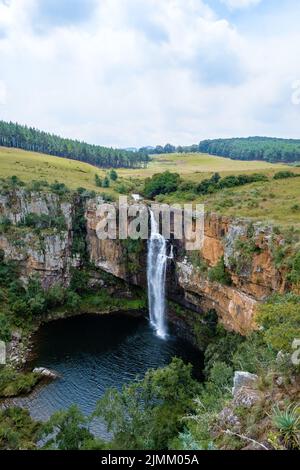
[67,430]
[280,320]
[55,296]
[5,328]
[288,424]
[79,280]
[13,383]
[294,275]
[284,174]
[15,182]
[44,221]
[162,183]
[5,223]
[222,348]
[37,185]
[216,183]
[59,188]
[113,175]
[17,429]
[220,375]
[219,274]
[253,355]
[107,197]
[98,181]
[73,300]
[205,329]
[106,183]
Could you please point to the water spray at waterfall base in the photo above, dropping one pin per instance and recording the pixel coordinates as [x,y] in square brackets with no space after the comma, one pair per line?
[156,275]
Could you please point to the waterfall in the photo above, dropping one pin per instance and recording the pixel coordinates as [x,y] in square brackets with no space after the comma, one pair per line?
[156,274]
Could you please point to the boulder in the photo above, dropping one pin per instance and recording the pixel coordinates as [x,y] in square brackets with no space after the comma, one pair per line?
[243,379]
[244,390]
[43,372]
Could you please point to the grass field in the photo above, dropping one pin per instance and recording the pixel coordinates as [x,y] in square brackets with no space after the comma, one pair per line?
[275,200]
[196,166]
[29,165]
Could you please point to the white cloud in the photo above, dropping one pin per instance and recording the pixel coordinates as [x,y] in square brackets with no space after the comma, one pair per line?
[240,4]
[3,93]
[138,75]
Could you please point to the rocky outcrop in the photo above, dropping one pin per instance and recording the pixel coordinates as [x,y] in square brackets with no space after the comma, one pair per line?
[16,204]
[45,373]
[235,308]
[245,392]
[113,256]
[247,251]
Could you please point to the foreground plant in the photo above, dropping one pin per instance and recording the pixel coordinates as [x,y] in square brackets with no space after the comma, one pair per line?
[288,424]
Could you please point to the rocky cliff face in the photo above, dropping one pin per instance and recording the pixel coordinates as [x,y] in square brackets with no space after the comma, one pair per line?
[46,252]
[247,250]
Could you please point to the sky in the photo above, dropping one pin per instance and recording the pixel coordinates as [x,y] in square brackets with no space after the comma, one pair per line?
[129,73]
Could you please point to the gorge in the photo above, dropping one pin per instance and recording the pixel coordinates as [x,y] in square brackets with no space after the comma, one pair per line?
[96,291]
[246,251]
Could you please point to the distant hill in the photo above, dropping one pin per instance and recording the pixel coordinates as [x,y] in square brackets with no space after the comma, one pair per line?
[29,138]
[269,149]
[254,148]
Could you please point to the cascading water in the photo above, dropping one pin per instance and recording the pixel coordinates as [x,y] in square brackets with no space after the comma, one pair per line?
[156,274]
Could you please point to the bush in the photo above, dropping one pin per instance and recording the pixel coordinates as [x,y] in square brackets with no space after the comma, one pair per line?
[222,348]
[162,183]
[55,296]
[8,270]
[67,430]
[253,355]
[79,281]
[59,188]
[280,320]
[113,175]
[44,221]
[13,383]
[294,275]
[219,274]
[288,424]
[5,328]
[18,430]
[221,375]
[205,329]
[284,174]
[73,300]
[98,181]
[37,185]
[106,183]
[216,183]
[5,223]
[15,182]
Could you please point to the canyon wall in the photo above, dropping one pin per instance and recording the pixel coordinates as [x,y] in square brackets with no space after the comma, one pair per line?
[245,251]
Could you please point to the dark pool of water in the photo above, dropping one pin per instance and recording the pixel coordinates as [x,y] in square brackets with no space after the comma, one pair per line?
[92,353]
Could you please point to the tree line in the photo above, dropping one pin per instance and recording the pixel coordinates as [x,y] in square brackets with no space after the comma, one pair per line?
[250,148]
[29,138]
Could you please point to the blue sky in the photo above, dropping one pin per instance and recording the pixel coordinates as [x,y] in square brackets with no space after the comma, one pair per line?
[145,72]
